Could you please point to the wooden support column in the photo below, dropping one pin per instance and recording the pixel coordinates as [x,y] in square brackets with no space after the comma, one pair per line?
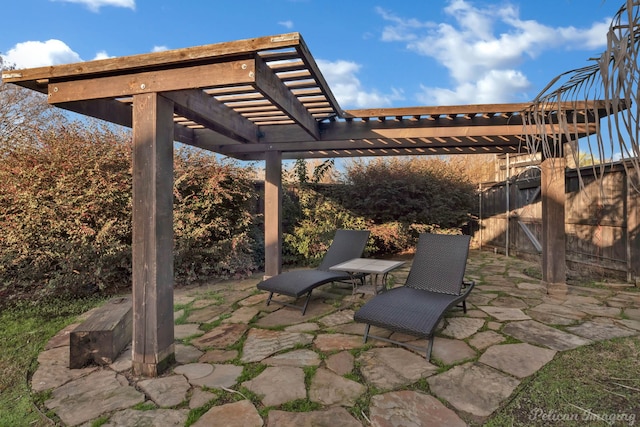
[553,221]
[153,348]
[273,214]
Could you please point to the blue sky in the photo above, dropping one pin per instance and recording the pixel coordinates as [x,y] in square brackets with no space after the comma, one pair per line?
[372,53]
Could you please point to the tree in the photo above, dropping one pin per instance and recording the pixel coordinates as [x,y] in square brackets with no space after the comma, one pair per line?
[613,78]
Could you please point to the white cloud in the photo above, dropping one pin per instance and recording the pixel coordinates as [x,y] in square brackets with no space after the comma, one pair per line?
[482,48]
[287,24]
[496,86]
[347,88]
[159,49]
[102,55]
[95,5]
[33,54]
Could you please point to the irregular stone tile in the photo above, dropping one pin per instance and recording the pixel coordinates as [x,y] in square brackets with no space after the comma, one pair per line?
[254,299]
[221,336]
[599,332]
[519,360]
[290,316]
[338,318]
[451,351]
[243,315]
[503,314]
[358,329]
[632,324]
[89,397]
[149,418]
[576,300]
[180,298]
[193,371]
[53,370]
[186,330]
[199,398]
[540,287]
[123,362]
[237,414]
[473,388]
[632,313]
[279,384]
[303,327]
[332,417]
[536,333]
[462,327]
[486,339]
[262,343]
[297,358]
[218,356]
[508,302]
[333,342]
[550,318]
[186,353]
[389,368]
[340,363]
[166,391]
[178,314]
[410,408]
[223,376]
[478,298]
[207,314]
[328,388]
[61,338]
[478,314]
[494,326]
[599,310]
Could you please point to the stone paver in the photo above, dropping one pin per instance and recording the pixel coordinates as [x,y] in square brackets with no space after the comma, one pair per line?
[473,388]
[341,363]
[599,332]
[88,397]
[220,337]
[536,333]
[411,409]
[166,391]
[262,343]
[462,327]
[150,418]
[237,414]
[389,368]
[328,388]
[519,360]
[326,337]
[332,417]
[298,358]
[279,384]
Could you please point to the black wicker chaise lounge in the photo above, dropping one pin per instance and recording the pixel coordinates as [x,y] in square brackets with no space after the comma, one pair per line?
[435,284]
[346,245]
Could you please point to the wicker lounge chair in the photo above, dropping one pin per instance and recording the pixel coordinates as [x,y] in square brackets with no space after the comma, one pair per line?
[434,285]
[346,245]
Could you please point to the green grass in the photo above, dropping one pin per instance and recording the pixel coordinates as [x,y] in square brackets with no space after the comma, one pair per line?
[596,385]
[26,328]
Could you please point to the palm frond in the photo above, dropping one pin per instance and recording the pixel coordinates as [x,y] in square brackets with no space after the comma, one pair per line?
[605,90]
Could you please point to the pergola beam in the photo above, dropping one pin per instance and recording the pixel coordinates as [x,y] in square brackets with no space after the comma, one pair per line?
[201,108]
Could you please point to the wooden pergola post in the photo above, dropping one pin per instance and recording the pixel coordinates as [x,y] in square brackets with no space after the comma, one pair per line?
[273,213]
[152,245]
[553,222]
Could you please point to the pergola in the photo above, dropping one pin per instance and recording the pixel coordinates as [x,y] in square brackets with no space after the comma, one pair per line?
[265,99]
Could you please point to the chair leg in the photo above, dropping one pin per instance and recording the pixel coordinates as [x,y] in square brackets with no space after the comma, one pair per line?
[464,306]
[366,332]
[304,309]
[429,348]
[269,299]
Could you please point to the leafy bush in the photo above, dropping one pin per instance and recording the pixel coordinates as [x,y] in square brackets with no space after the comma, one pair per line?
[65,214]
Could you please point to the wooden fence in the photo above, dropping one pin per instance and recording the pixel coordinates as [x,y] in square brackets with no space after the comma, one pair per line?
[602,219]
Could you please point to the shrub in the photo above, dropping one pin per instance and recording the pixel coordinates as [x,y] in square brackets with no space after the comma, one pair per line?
[65,214]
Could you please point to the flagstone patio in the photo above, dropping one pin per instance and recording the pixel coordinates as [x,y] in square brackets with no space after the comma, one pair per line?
[242,363]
